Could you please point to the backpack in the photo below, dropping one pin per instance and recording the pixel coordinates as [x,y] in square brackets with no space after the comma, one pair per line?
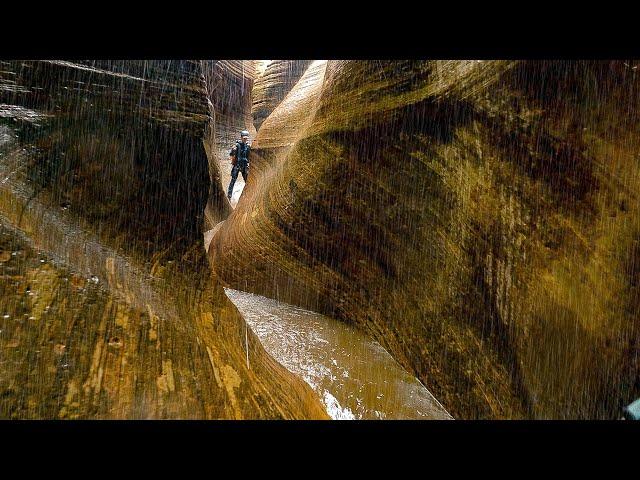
[234,156]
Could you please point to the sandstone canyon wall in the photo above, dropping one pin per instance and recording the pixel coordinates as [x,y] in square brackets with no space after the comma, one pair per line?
[229,84]
[272,85]
[110,309]
[478,218]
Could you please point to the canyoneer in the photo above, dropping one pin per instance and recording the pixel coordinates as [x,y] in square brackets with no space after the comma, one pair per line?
[239,156]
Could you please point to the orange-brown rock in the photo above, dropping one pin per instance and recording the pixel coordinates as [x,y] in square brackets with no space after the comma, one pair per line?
[109,309]
[229,84]
[272,85]
[479,219]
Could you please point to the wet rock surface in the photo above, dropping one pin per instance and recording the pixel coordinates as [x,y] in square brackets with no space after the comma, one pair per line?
[105,177]
[354,377]
[113,136]
[478,219]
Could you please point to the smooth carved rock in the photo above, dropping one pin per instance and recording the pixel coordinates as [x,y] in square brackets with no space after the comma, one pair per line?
[105,171]
[479,219]
[229,84]
[273,85]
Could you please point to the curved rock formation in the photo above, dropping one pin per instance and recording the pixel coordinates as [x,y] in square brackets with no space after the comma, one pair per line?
[104,172]
[479,219]
[228,84]
[273,85]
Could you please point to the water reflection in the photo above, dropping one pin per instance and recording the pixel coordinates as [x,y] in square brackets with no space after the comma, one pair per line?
[353,375]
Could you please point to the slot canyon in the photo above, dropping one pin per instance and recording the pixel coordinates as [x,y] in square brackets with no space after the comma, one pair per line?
[428,239]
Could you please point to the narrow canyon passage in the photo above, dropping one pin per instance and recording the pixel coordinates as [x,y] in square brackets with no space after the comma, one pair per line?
[416,239]
[109,307]
[464,214]
[355,378]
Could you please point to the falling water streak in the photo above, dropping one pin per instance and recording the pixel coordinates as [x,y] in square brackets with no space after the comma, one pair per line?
[512,228]
[246,342]
[81,251]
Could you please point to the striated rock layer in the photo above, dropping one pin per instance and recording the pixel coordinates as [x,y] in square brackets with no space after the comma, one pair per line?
[479,218]
[229,84]
[272,85]
[109,307]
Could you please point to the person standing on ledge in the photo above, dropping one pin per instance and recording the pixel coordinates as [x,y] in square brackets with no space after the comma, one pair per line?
[239,155]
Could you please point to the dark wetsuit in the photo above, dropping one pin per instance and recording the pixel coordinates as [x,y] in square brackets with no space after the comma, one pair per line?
[241,152]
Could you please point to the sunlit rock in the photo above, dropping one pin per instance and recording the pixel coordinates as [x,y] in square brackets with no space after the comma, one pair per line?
[229,84]
[479,219]
[104,170]
[272,84]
